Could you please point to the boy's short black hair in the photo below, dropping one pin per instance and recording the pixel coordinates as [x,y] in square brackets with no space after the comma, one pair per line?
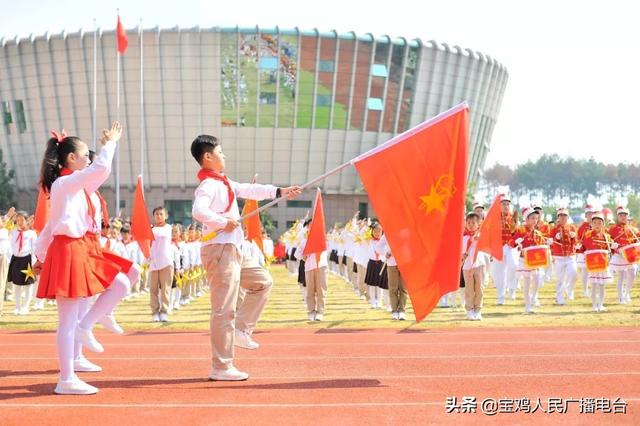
[203,144]
[159,208]
[472,215]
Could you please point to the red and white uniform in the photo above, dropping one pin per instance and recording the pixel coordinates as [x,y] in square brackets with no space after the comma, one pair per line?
[73,263]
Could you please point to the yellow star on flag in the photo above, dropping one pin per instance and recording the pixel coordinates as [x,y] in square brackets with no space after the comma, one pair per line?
[440,191]
[28,273]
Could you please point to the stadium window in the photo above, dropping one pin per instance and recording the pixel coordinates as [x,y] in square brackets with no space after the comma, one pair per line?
[379,70]
[268,63]
[21,122]
[6,117]
[179,211]
[290,223]
[326,66]
[299,204]
[123,204]
[363,209]
[323,100]
[268,98]
[374,104]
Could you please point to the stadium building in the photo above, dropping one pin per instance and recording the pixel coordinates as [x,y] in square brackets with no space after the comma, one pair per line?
[288,105]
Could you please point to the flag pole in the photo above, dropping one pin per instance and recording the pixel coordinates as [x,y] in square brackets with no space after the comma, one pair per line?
[142,135]
[95,85]
[117,160]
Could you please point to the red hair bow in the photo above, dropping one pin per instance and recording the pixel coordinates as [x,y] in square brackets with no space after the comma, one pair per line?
[59,136]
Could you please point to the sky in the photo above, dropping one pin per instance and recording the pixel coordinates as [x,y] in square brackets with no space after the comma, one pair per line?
[574,66]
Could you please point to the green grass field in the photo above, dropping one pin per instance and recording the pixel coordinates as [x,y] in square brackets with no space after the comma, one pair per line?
[344,309]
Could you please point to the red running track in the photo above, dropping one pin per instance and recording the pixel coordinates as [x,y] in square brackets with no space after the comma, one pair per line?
[329,376]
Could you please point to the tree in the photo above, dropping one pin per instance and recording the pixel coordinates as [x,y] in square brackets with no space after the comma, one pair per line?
[6,184]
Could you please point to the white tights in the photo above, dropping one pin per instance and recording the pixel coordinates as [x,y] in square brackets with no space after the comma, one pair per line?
[597,295]
[69,310]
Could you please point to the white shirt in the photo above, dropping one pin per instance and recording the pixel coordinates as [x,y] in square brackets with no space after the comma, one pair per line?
[481,260]
[161,253]
[252,257]
[211,199]
[384,249]
[69,212]
[134,253]
[5,245]
[267,244]
[312,261]
[28,242]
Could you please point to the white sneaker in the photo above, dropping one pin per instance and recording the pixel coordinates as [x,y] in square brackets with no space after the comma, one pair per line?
[16,311]
[244,340]
[109,322]
[537,303]
[199,294]
[529,310]
[232,374]
[363,297]
[74,386]
[602,309]
[394,315]
[85,366]
[176,306]
[402,316]
[155,317]
[478,316]
[470,315]
[86,338]
[164,317]
[318,317]
[312,316]
[24,311]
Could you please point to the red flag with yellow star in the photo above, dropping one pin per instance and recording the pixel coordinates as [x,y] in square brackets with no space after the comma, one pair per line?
[417,184]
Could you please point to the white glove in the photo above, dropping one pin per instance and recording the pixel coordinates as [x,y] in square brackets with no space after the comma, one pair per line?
[550,240]
[572,234]
[519,240]
[558,236]
[578,246]
[615,245]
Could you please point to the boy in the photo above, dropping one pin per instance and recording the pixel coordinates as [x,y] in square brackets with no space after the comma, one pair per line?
[473,266]
[160,266]
[215,206]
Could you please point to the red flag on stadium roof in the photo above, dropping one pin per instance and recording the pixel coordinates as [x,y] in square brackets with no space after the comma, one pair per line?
[121,35]
[417,184]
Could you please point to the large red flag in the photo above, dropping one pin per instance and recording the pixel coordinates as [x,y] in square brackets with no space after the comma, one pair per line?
[41,215]
[317,239]
[490,240]
[121,35]
[253,224]
[417,184]
[140,225]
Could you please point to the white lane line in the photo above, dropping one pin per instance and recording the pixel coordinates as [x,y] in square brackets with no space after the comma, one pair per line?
[385,357]
[514,342]
[97,378]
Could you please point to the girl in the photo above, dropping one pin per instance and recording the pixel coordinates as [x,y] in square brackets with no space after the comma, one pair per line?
[597,238]
[528,236]
[22,248]
[376,277]
[72,263]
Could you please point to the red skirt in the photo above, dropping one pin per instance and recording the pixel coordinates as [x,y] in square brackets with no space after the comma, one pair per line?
[78,267]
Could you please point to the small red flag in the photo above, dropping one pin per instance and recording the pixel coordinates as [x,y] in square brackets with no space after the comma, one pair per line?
[41,216]
[490,240]
[317,239]
[417,184]
[140,225]
[121,35]
[253,224]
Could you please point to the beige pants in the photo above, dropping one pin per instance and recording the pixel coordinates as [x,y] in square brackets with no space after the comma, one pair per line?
[222,262]
[350,274]
[144,279]
[316,280]
[473,279]
[4,266]
[255,287]
[160,289]
[397,291]
[362,286]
